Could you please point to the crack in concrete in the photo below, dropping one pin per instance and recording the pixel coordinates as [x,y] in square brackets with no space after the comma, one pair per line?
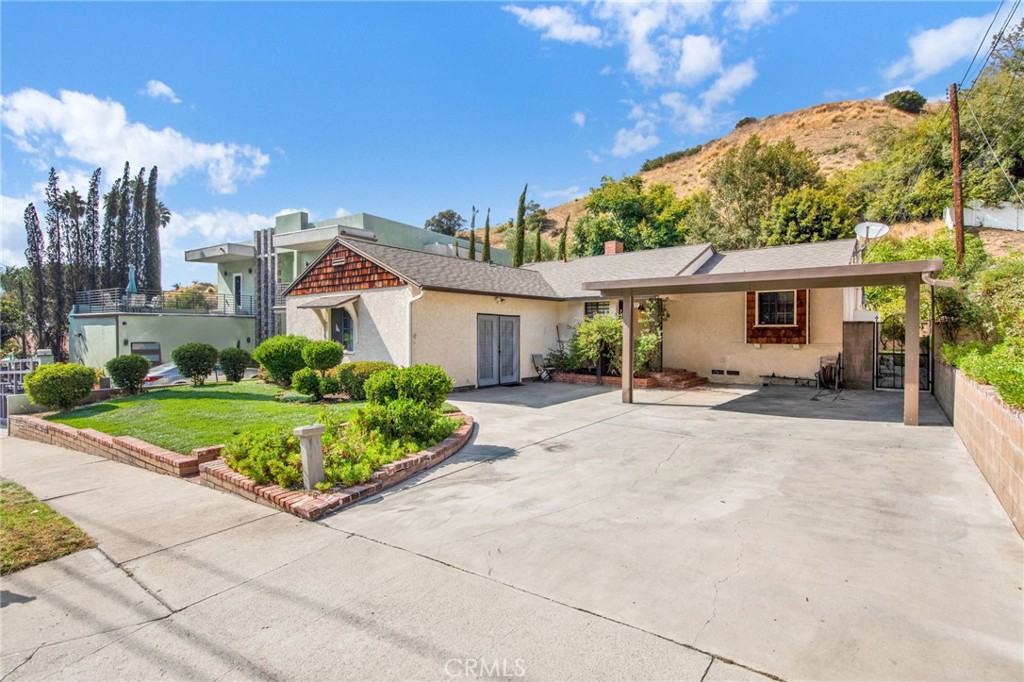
[708,669]
[15,668]
[657,468]
[718,584]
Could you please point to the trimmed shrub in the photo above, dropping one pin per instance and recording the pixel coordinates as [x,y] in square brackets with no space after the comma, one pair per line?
[1001,366]
[353,375]
[127,372]
[195,361]
[329,385]
[59,386]
[265,456]
[234,361]
[428,384]
[307,382]
[322,355]
[599,338]
[910,101]
[281,356]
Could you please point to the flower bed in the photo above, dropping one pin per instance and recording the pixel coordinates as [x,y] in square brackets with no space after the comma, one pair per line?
[310,504]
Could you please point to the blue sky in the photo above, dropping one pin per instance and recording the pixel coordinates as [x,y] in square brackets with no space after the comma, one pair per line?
[405,109]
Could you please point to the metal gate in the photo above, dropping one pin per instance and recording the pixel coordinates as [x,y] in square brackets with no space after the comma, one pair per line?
[891,360]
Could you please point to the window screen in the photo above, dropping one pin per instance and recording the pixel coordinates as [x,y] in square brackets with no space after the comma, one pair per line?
[592,308]
[776,308]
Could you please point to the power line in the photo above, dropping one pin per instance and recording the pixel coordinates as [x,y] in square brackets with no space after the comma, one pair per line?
[994,155]
[988,32]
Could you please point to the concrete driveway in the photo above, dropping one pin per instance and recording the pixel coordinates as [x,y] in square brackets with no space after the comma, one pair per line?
[704,535]
[801,535]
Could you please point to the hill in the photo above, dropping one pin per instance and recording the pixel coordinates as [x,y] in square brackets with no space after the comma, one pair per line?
[838,135]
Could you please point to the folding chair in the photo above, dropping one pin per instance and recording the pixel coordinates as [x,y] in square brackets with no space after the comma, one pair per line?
[543,371]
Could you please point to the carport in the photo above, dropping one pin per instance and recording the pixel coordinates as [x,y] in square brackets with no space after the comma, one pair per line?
[908,274]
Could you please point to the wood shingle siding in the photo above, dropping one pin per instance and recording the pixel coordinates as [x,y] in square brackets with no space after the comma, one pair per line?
[796,335]
[355,274]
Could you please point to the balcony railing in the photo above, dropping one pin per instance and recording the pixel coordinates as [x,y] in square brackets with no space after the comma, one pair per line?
[177,302]
[279,294]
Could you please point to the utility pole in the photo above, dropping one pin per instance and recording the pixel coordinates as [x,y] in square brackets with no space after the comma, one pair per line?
[958,195]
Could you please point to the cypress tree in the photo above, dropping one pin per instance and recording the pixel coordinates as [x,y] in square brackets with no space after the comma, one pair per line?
[472,234]
[108,237]
[122,249]
[486,253]
[520,233]
[91,231]
[151,235]
[562,253]
[538,255]
[34,258]
[55,256]
[137,228]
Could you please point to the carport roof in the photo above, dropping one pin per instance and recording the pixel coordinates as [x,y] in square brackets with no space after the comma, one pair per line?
[821,277]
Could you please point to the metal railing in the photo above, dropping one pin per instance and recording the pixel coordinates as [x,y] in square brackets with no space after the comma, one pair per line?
[279,294]
[178,302]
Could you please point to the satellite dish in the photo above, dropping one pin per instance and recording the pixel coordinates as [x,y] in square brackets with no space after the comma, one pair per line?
[866,231]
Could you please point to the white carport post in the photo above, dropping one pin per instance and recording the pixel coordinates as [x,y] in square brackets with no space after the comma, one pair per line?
[912,352]
[627,347]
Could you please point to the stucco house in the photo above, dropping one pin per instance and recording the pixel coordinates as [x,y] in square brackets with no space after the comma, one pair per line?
[482,322]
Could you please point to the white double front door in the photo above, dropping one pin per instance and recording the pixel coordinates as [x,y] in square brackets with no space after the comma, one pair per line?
[497,350]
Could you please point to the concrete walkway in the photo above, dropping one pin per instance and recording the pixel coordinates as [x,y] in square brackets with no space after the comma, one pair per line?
[577,538]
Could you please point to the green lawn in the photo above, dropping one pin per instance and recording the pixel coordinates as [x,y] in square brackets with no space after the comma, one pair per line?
[31,532]
[182,418]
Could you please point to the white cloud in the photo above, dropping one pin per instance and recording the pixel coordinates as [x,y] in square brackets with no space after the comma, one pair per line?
[748,14]
[936,49]
[729,84]
[639,138]
[160,90]
[557,23]
[563,194]
[12,227]
[701,56]
[341,212]
[579,119]
[594,158]
[95,132]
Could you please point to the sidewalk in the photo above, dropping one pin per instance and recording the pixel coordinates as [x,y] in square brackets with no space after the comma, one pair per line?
[189,583]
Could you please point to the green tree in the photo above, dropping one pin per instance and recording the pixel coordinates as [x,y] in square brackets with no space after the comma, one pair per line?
[472,234]
[151,274]
[746,181]
[910,101]
[55,244]
[627,210]
[485,255]
[519,248]
[563,254]
[91,230]
[445,222]
[808,215]
[34,256]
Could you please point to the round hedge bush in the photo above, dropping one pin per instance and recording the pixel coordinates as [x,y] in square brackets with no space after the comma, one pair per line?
[234,361]
[428,384]
[127,372]
[307,382]
[59,386]
[910,101]
[281,356]
[353,375]
[322,355]
[195,361]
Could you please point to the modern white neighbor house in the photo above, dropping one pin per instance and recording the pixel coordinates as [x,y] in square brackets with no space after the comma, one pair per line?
[246,307]
[735,316]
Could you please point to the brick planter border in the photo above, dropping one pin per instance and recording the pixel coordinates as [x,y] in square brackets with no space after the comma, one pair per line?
[125,449]
[606,380]
[310,504]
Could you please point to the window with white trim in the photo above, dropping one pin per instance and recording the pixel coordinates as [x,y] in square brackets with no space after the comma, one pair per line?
[343,328]
[776,308]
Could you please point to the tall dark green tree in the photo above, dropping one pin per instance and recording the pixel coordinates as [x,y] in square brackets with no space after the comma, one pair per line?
[55,256]
[520,231]
[122,227]
[108,238]
[485,255]
[151,237]
[34,256]
[137,228]
[91,229]
[472,234]
[72,209]
[538,255]
[563,254]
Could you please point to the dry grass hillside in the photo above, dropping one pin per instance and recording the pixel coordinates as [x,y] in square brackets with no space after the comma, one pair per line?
[838,134]
[997,242]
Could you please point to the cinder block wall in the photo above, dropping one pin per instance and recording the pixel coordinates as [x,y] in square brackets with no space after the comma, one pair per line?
[858,355]
[993,433]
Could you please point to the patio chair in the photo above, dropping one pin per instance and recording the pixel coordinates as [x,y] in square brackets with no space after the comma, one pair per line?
[543,371]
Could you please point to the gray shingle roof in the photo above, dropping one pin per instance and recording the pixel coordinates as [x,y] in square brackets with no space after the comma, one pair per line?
[567,278]
[818,254]
[433,271]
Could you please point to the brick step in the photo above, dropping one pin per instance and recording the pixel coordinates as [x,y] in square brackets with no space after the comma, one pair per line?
[684,383]
[674,375]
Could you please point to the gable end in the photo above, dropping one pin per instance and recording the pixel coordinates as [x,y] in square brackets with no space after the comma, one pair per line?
[342,269]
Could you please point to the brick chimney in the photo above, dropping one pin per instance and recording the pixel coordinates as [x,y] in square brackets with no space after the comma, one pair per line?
[613,247]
